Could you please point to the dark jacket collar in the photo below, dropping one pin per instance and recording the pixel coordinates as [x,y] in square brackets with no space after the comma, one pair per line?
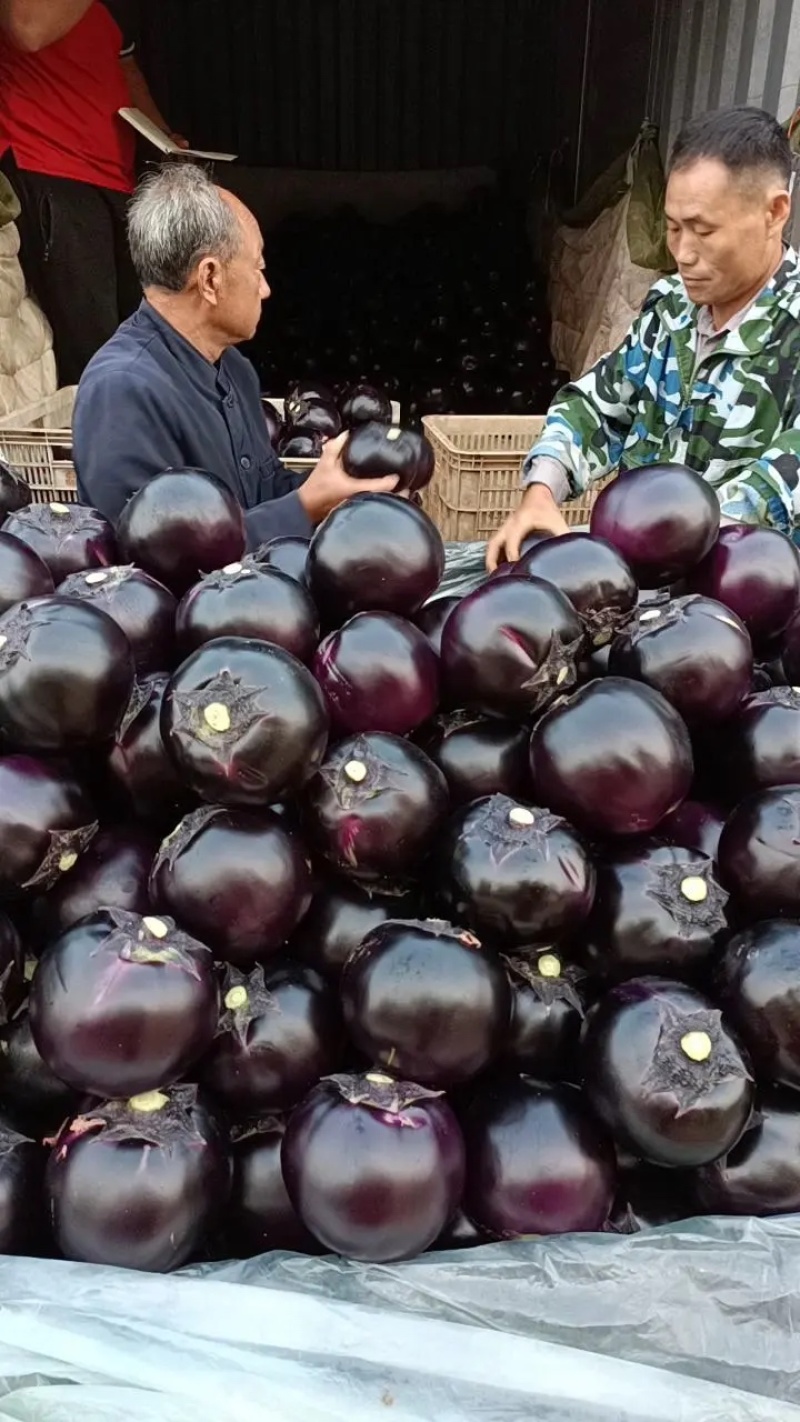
[203,371]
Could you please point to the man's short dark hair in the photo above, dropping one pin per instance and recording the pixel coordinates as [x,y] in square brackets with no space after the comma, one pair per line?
[745,140]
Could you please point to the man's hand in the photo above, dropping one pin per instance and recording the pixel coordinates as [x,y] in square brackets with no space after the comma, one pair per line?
[537,513]
[179,140]
[328,485]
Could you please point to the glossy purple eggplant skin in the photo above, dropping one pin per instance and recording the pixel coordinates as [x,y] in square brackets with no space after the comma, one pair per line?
[112,872]
[426,1001]
[244,722]
[375,807]
[245,599]
[142,607]
[363,404]
[547,1015]
[22,1217]
[339,919]
[166,1166]
[15,492]
[261,1216]
[23,573]
[756,573]
[378,673]
[431,619]
[760,745]
[537,1162]
[68,537]
[46,820]
[760,1175]
[663,519]
[122,1004]
[693,825]
[239,880]
[643,1080]
[510,647]
[66,675]
[179,525]
[280,1032]
[658,909]
[375,450]
[287,555]
[138,761]
[516,873]
[375,553]
[478,755]
[649,1197]
[694,651]
[592,574]
[374,1168]
[759,853]
[34,1099]
[615,758]
[758,986]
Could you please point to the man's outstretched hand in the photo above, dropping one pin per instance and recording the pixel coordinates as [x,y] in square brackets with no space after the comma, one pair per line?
[329,485]
[537,513]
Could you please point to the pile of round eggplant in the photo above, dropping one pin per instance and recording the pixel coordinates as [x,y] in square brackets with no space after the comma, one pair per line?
[335,921]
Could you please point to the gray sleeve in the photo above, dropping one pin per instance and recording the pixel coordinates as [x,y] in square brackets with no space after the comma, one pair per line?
[543,469]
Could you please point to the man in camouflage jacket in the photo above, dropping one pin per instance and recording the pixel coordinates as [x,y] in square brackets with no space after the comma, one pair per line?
[709,373]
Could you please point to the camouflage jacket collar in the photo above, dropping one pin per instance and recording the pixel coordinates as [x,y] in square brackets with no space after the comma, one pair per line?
[782,294]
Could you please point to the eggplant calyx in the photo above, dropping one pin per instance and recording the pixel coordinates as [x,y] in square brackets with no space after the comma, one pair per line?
[64,844]
[557,672]
[356,771]
[697,1046]
[141,696]
[694,888]
[692,1057]
[245,999]
[548,978]
[148,1102]
[149,957]
[217,716]
[232,708]
[14,641]
[271,1123]
[691,895]
[381,1093]
[549,966]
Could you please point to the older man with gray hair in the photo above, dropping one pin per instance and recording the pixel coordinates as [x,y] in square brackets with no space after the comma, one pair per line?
[169,390]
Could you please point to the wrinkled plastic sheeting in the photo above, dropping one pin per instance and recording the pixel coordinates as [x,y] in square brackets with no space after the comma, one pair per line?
[464,569]
[693,1323]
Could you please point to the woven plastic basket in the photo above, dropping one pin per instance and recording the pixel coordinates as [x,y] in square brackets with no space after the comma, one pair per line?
[37,442]
[476,482]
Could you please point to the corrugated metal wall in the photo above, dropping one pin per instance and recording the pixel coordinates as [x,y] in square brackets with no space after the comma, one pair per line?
[712,53]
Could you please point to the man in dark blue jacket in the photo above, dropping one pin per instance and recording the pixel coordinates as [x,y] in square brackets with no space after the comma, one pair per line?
[169,390]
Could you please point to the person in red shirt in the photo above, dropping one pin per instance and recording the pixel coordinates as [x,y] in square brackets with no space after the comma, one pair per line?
[66,68]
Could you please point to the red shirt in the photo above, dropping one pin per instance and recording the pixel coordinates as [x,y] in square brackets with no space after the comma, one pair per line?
[58,108]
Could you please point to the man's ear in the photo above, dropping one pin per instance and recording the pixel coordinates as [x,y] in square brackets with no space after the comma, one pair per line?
[209,277]
[780,209]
